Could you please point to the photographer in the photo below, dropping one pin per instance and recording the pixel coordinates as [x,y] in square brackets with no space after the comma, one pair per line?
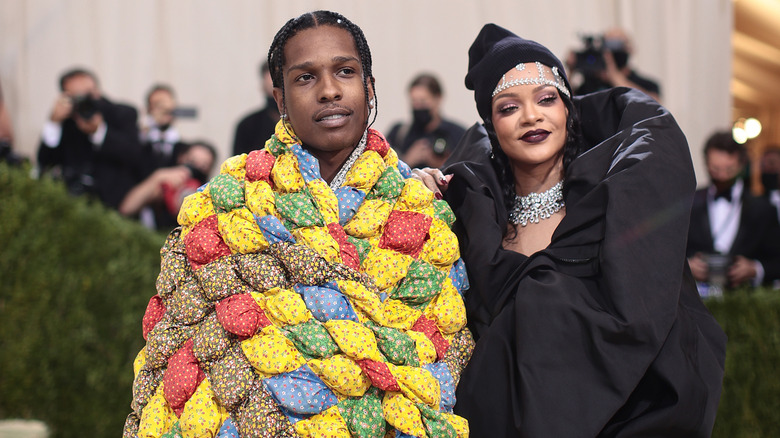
[429,139]
[731,230]
[155,201]
[603,63]
[89,142]
[158,135]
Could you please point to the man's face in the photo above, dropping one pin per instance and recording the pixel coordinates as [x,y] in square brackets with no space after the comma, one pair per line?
[324,96]
[723,167]
[161,106]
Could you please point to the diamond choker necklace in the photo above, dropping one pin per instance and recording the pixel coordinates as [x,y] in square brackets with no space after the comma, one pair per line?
[338,180]
[537,206]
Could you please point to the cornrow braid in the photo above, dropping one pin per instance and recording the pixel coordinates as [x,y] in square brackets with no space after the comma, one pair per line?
[314,19]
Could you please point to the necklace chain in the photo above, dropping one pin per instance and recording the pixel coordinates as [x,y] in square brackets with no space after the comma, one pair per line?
[338,180]
[537,206]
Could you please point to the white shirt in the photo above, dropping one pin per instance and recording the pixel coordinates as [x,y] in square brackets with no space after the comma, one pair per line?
[724,222]
[52,134]
[774,198]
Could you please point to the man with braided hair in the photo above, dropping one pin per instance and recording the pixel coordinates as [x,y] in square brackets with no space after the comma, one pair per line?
[311,289]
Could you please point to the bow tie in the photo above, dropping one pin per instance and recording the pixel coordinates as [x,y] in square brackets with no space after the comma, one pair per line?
[725,194]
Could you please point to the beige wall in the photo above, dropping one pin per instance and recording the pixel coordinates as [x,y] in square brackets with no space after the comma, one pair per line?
[209,51]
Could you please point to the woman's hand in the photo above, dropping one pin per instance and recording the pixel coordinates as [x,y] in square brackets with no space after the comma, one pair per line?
[434,179]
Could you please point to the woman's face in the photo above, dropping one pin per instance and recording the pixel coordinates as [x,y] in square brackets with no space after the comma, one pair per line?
[324,97]
[530,120]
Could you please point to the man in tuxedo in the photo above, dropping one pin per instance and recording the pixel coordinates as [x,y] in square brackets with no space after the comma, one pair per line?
[728,220]
[89,142]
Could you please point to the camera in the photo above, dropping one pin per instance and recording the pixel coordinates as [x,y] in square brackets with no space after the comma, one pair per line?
[85,106]
[590,60]
[718,266]
[184,112]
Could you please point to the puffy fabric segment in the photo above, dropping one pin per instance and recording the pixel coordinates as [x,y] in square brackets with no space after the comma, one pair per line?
[328,424]
[349,199]
[326,302]
[260,198]
[301,391]
[311,339]
[402,414]
[442,374]
[271,353]
[405,232]
[258,166]
[388,186]
[307,164]
[298,210]
[202,417]
[286,307]
[227,193]
[342,375]
[285,174]
[240,232]
[366,171]
[363,415]
[369,219]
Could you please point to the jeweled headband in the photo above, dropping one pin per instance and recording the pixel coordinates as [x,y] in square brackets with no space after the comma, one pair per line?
[556,80]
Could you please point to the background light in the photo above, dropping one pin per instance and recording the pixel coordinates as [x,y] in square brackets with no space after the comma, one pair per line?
[752,127]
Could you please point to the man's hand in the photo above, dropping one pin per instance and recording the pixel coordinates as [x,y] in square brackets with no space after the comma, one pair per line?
[742,270]
[699,267]
[61,109]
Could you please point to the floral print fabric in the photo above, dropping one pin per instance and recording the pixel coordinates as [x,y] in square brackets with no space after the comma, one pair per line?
[287,308]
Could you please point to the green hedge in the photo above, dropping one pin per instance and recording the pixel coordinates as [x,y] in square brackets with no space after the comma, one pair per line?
[750,402]
[74,282]
[75,279]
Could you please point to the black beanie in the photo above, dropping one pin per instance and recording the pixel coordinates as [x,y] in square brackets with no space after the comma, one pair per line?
[493,53]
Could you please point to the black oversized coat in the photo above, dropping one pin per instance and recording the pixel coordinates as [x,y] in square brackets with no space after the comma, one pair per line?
[603,332]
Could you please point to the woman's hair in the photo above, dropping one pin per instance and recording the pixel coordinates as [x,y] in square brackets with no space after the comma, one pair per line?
[315,19]
[429,82]
[571,148]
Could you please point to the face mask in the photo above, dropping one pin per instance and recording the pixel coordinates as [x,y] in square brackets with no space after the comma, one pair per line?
[421,117]
[197,174]
[769,181]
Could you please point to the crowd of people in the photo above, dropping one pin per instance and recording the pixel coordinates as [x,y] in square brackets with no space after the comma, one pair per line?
[537,274]
[98,148]
[140,166]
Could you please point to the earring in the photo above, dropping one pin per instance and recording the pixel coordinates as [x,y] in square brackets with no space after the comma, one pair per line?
[283,116]
[371,103]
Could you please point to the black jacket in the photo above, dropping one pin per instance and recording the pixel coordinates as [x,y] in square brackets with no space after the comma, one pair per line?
[107,171]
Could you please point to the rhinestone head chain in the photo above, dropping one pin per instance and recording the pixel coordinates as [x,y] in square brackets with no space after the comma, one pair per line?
[526,77]
[537,206]
[338,180]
